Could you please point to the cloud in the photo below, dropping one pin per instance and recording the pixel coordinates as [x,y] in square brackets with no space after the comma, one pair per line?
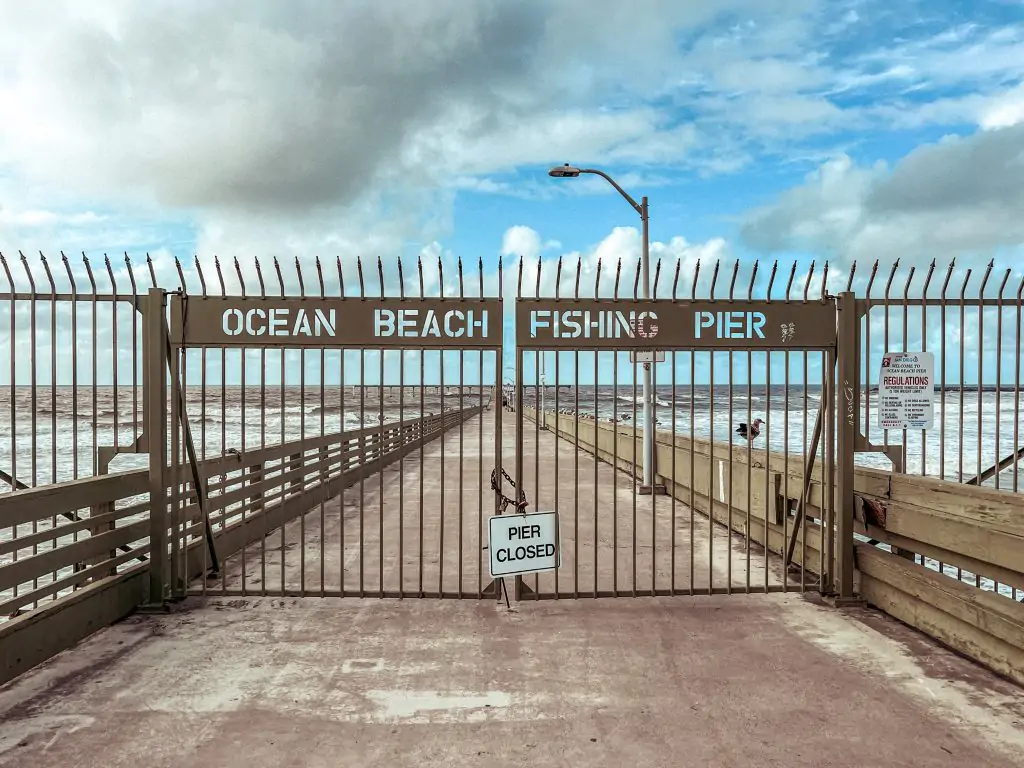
[960,196]
[247,105]
[1005,110]
[618,255]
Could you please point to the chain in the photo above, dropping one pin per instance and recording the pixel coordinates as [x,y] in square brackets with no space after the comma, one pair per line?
[506,502]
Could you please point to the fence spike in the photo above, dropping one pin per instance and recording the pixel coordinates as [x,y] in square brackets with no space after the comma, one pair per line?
[181,274]
[280,275]
[131,275]
[636,277]
[597,281]
[401,280]
[579,271]
[910,279]
[298,274]
[888,283]
[871,280]
[618,275]
[928,280]
[714,278]
[772,275]
[519,283]
[657,275]
[753,278]
[241,280]
[1020,292]
[853,271]
[152,269]
[419,267]
[220,276]
[480,271]
[28,273]
[202,277]
[984,280]
[558,279]
[501,283]
[320,278]
[963,288]
[88,272]
[71,275]
[259,276]
[440,277]
[675,280]
[807,282]
[1002,286]
[7,271]
[693,286]
[110,274]
[380,275]
[789,283]
[341,279]
[732,282]
[540,268]
[949,275]
[359,274]
[49,274]
[462,288]
[824,281]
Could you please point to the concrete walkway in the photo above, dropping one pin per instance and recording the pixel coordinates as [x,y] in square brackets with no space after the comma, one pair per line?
[420,528]
[682,681]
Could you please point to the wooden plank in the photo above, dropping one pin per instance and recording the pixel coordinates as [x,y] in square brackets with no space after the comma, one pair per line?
[27,541]
[45,563]
[32,639]
[999,510]
[946,556]
[983,626]
[969,537]
[45,501]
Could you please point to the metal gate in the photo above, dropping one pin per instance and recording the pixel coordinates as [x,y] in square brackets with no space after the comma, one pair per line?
[330,446]
[727,495]
[341,446]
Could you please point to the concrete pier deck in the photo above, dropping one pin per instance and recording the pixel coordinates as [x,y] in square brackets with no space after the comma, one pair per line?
[718,680]
[420,527]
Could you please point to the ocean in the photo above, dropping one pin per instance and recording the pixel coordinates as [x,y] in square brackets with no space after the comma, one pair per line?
[69,423]
[972,429]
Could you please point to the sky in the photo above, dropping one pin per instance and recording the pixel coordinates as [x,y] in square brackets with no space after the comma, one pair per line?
[760,130]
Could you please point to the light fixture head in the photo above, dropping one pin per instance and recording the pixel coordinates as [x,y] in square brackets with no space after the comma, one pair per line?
[564,171]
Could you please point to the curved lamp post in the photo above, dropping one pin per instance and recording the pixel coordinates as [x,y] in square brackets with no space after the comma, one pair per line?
[570,172]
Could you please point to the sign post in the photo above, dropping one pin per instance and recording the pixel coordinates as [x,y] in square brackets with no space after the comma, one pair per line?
[906,391]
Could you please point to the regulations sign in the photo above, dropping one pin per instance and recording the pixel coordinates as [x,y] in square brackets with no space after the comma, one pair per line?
[523,543]
[906,391]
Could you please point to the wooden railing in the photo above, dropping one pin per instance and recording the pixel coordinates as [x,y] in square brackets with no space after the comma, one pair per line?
[941,556]
[82,564]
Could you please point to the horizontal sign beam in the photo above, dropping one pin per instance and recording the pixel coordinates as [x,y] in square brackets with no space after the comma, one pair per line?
[287,322]
[668,324]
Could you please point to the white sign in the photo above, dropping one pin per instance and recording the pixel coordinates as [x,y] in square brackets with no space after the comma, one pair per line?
[647,356]
[523,543]
[906,391]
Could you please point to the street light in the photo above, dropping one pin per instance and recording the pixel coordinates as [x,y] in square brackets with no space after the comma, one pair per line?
[571,172]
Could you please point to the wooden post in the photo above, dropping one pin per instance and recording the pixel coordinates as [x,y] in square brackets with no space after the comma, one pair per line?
[154,384]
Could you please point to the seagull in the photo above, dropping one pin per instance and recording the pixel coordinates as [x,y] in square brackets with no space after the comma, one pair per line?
[749,433]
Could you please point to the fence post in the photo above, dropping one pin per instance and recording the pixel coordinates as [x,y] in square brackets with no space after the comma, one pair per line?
[154,383]
[848,386]
[295,462]
[255,476]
